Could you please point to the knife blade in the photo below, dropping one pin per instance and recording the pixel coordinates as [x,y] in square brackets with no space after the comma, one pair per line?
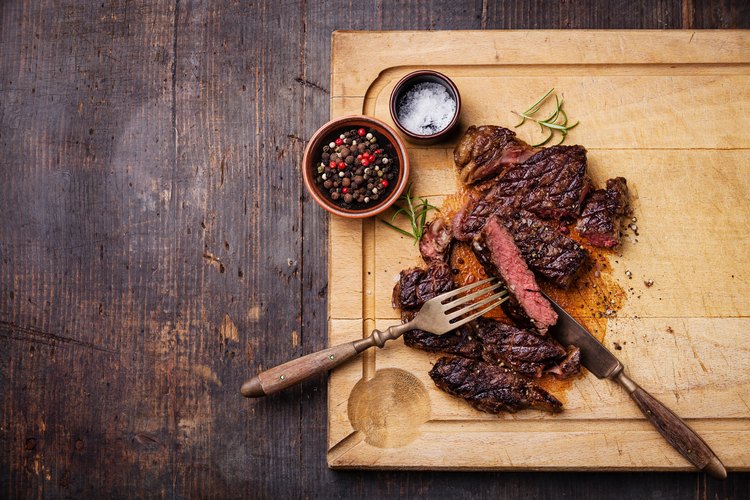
[602,363]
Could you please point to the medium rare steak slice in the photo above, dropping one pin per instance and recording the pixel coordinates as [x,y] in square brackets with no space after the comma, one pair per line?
[552,184]
[436,241]
[490,388]
[497,252]
[549,253]
[416,286]
[602,214]
[488,151]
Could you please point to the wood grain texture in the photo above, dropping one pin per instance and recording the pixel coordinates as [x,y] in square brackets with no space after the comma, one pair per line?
[123,344]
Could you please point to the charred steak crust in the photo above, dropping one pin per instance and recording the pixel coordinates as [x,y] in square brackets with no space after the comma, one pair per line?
[458,342]
[416,286]
[552,184]
[488,151]
[492,389]
[498,253]
[436,242]
[500,344]
[602,214]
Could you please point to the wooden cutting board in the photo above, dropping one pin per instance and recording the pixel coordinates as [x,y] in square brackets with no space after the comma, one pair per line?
[668,110]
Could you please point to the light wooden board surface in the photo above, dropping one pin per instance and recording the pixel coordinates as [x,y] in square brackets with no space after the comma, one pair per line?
[668,111]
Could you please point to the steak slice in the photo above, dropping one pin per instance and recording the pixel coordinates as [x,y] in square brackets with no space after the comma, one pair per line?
[549,253]
[458,342]
[488,151]
[436,241]
[601,218]
[489,388]
[552,184]
[521,350]
[496,343]
[569,366]
[416,286]
[498,253]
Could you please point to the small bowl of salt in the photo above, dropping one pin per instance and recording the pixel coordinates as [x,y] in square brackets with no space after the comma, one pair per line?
[425,106]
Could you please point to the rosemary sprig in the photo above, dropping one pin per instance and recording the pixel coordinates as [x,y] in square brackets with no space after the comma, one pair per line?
[557,121]
[415,211]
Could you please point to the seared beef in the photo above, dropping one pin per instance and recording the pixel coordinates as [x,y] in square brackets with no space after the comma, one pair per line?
[416,286]
[459,342]
[488,151]
[489,388]
[569,366]
[435,244]
[602,214]
[501,344]
[550,254]
[551,184]
[498,253]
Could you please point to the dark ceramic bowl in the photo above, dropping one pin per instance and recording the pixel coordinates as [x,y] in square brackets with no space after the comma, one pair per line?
[406,84]
[329,132]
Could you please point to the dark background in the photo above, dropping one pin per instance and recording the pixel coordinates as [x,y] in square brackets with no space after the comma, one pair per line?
[150,202]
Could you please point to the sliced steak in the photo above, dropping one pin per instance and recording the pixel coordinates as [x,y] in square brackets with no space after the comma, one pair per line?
[488,151]
[549,253]
[602,214]
[552,184]
[490,388]
[521,350]
[494,342]
[416,286]
[497,252]
[569,366]
[435,244]
[459,342]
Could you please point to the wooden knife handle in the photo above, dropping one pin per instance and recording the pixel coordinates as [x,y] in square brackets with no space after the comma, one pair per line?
[675,430]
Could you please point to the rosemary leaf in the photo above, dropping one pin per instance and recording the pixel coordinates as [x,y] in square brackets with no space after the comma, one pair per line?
[415,212]
[557,121]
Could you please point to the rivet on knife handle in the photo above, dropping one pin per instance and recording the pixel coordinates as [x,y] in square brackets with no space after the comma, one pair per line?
[674,430]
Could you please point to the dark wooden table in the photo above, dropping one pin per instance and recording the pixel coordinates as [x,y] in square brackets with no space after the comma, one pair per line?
[158,246]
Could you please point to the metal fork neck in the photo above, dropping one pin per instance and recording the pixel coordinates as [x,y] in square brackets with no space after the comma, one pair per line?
[379,338]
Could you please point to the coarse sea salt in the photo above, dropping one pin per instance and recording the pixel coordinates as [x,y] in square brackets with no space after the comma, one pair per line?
[426,109]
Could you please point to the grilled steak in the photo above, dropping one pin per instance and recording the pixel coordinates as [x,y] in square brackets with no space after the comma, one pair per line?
[602,214]
[459,342]
[501,344]
[569,366]
[488,151]
[489,388]
[550,254]
[498,253]
[435,244]
[416,286]
[551,184]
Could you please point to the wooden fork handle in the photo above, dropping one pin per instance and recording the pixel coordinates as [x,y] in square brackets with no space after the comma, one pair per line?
[675,430]
[297,370]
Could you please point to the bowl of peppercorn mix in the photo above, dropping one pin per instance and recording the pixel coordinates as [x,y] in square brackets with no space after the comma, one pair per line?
[355,166]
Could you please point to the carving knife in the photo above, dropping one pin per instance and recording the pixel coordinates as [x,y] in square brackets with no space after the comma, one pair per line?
[604,364]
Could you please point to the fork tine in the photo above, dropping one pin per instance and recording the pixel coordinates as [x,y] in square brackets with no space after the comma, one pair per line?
[467,298]
[476,305]
[449,295]
[487,309]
